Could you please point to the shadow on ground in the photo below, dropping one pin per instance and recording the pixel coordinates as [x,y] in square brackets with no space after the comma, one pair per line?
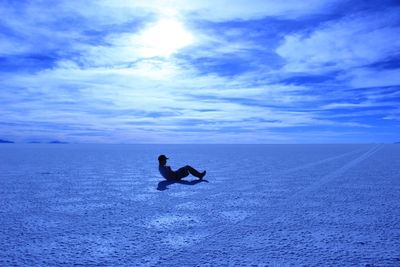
[163,185]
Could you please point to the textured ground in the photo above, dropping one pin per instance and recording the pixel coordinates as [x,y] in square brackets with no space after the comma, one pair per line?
[98,205]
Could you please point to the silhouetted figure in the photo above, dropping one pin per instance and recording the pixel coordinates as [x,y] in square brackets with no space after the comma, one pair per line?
[177,175]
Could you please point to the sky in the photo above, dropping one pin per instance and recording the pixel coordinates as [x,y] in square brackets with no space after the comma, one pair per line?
[175,71]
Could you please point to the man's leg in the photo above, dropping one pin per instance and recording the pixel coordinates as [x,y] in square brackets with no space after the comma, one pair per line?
[195,172]
[181,173]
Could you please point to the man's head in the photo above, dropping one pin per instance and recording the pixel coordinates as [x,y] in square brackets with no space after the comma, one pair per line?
[162,159]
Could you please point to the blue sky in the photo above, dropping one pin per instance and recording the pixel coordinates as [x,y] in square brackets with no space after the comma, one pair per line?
[113,71]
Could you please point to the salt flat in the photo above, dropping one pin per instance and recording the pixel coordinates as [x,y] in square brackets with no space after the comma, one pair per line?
[265,205]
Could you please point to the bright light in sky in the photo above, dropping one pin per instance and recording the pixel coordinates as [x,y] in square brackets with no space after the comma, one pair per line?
[164,38]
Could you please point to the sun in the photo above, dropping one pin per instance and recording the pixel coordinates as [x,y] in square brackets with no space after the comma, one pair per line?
[164,38]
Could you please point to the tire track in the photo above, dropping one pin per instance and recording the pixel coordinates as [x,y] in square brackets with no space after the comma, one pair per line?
[327,178]
[277,209]
[316,163]
[329,159]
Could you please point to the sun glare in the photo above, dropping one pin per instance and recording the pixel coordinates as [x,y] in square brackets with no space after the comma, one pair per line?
[164,38]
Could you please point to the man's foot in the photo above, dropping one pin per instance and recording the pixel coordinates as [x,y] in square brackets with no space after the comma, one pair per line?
[202,175]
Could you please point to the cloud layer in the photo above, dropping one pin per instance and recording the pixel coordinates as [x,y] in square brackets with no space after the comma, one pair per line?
[196,72]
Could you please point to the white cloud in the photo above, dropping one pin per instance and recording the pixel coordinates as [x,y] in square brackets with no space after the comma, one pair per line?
[9,48]
[129,95]
[225,10]
[366,104]
[368,77]
[356,40]
[393,115]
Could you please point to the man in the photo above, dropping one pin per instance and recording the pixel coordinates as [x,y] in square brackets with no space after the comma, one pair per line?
[169,174]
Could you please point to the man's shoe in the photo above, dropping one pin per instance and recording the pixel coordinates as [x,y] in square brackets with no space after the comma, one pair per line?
[202,175]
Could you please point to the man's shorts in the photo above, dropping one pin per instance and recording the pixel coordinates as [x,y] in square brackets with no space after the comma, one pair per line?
[181,173]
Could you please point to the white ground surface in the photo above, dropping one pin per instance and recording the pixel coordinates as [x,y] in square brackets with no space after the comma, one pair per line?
[272,205]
